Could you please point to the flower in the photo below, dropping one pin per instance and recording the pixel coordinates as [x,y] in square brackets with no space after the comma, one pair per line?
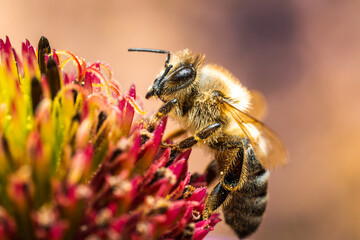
[74,162]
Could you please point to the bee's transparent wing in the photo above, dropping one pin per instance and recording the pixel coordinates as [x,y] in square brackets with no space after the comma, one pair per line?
[258,106]
[267,146]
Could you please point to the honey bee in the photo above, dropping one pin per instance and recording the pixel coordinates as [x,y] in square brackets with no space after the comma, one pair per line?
[211,103]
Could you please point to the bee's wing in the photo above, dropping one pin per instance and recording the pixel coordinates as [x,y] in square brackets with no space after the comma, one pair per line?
[267,146]
[258,107]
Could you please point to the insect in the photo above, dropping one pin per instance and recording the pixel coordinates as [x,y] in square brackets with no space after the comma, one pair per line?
[211,103]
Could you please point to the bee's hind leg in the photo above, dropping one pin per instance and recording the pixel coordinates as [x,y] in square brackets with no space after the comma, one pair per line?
[222,144]
[231,179]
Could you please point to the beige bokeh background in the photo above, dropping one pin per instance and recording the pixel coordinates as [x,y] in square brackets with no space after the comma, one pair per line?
[303,55]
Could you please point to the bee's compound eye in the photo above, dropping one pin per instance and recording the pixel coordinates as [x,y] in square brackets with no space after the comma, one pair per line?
[183,75]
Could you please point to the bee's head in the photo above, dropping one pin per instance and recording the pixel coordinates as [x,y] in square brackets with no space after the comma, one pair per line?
[177,76]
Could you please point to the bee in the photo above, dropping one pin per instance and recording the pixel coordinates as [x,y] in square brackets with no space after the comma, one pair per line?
[215,107]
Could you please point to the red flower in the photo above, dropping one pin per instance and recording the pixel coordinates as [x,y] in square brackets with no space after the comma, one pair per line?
[74,163]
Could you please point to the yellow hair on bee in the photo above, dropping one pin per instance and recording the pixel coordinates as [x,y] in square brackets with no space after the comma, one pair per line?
[208,101]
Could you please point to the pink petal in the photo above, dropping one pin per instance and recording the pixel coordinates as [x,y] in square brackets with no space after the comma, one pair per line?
[58,230]
[200,234]
[128,112]
[27,42]
[175,194]
[88,88]
[199,195]
[179,168]
[149,149]
[66,79]
[161,162]
[203,227]
[160,188]
[2,46]
[176,211]
[55,57]
[132,92]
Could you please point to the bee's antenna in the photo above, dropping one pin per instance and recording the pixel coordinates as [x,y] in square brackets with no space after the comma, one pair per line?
[154,51]
[164,74]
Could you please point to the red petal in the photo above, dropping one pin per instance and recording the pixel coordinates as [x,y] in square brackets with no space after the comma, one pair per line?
[149,149]
[175,194]
[179,167]
[132,91]
[199,195]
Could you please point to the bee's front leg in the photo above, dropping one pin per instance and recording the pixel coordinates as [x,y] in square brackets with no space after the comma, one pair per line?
[150,124]
[231,179]
[163,111]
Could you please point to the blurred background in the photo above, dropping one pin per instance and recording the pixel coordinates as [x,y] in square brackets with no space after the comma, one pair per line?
[304,56]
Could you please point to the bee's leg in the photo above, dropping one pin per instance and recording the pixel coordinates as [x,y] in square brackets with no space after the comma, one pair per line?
[216,198]
[234,175]
[191,141]
[199,135]
[163,111]
[222,144]
[231,179]
[175,134]
[150,125]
